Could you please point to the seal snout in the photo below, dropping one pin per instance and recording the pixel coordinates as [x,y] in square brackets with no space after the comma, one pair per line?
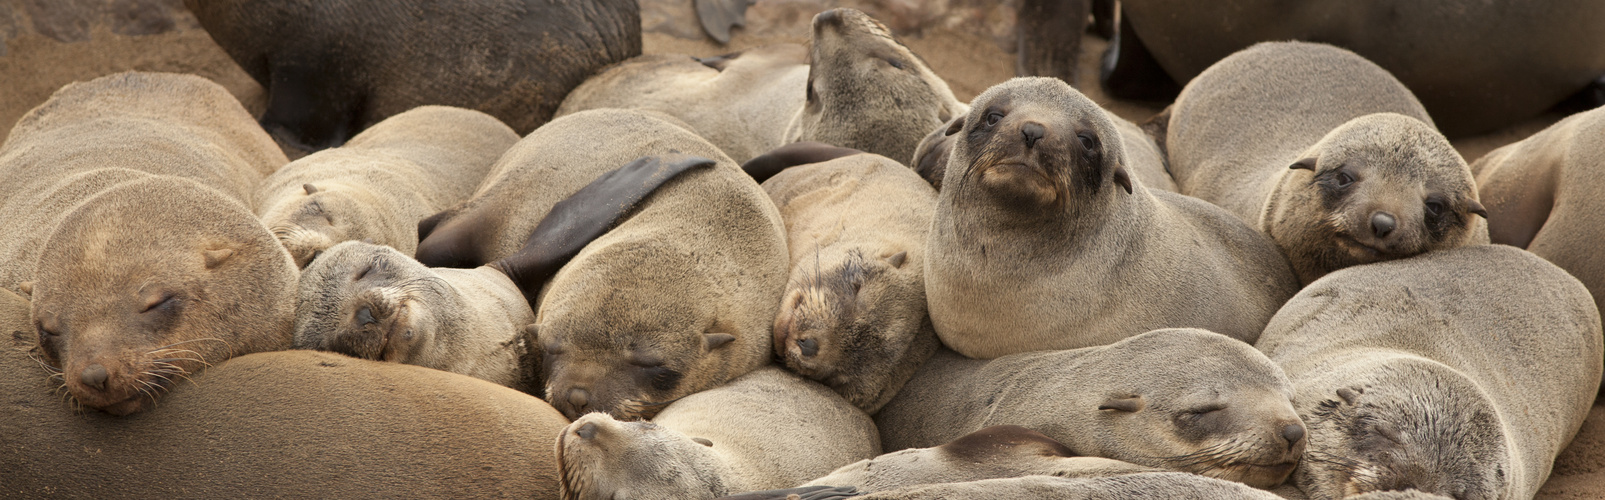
[1383,224]
[94,376]
[1293,433]
[369,329]
[1032,132]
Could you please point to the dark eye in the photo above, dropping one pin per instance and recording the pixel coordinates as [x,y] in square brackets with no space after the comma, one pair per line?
[993,118]
[1088,142]
[663,378]
[1434,208]
[1204,410]
[895,63]
[1344,179]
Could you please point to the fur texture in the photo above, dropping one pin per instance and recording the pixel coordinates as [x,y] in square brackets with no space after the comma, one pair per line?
[1000,451]
[1225,413]
[1460,372]
[1144,158]
[1168,485]
[853,314]
[1050,243]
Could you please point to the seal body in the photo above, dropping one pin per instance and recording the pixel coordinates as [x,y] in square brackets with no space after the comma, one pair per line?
[1171,485]
[853,314]
[1227,413]
[1541,195]
[1412,374]
[371,301]
[1476,67]
[1042,239]
[334,68]
[380,184]
[1325,152]
[765,430]
[134,238]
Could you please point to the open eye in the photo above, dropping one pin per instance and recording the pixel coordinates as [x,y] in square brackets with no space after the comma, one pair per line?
[993,118]
[1434,208]
[1088,142]
[1344,179]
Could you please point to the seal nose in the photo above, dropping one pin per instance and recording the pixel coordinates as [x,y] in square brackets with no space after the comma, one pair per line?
[809,347]
[586,431]
[365,316]
[1293,433]
[578,398]
[1033,132]
[1382,224]
[94,376]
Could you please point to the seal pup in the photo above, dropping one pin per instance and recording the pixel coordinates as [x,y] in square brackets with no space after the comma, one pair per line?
[1145,159]
[1138,486]
[765,430]
[853,313]
[1043,239]
[378,186]
[134,239]
[1541,193]
[1461,373]
[1226,413]
[855,86]
[335,67]
[1325,152]
[290,423]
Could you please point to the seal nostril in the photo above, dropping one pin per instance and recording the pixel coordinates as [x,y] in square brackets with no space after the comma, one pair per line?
[809,347]
[1033,132]
[1293,433]
[94,376]
[578,398]
[365,317]
[1382,224]
[586,431]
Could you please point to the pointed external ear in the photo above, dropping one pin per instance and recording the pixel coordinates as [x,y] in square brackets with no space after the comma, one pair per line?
[427,225]
[955,126]
[26,286]
[1304,164]
[1123,179]
[309,188]
[1350,394]
[216,257]
[703,441]
[717,340]
[1476,207]
[1129,404]
[897,259]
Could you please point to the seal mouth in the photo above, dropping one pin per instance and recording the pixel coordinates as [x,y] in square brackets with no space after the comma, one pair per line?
[1362,250]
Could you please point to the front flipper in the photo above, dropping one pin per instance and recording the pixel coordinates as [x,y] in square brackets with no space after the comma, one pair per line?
[803,493]
[587,215]
[718,16]
[766,165]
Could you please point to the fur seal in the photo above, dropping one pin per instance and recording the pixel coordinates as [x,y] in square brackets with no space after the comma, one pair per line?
[853,313]
[1139,486]
[856,87]
[1476,67]
[1043,239]
[1325,152]
[291,424]
[1145,159]
[378,186]
[1461,372]
[333,68]
[765,430]
[1226,413]
[133,237]
[1541,193]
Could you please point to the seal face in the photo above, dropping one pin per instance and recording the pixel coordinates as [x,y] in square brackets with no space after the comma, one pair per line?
[325,216]
[602,458]
[134,294]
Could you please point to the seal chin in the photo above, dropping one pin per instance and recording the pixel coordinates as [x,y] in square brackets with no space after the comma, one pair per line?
[1261,476]
[1362,252]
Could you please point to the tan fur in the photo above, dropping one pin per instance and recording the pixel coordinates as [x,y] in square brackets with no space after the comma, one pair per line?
[856,228]
[380,184]
[994,452]
[281,424]
[1460,372]
[703,259]
[754,101]
[466,321]
[1544,193]
[94,135]
[1225,412]
[1168,485]
[1042,247]
[768,429]
[1268,132]
[1144,158]
[128,199]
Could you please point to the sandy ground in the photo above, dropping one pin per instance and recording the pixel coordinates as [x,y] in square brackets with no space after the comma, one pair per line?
[968,42]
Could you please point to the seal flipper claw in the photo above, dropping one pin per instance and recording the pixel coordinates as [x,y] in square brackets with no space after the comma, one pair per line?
[804,493]
[718,16]
[586,215]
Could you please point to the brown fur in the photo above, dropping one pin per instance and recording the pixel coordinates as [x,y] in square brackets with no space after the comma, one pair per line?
[1461,372]
[1057,246]
[282,424]
[1225,412]
[380,184]
[1544,193]
[1146,159]
[853,314]
[1142,486]
[1311,143]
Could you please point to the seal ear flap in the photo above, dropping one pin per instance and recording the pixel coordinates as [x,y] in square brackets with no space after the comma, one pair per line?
[427,225]
[309,188]
[1476,207]
[898,259]
[215,258]
[717,340]
[702,441]
[1123,179]
[955,126]
[1350,395]
[1129,404]
[26,287]
[1304,164]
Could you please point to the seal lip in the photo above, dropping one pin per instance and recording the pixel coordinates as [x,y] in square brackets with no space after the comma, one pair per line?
[1362,249]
